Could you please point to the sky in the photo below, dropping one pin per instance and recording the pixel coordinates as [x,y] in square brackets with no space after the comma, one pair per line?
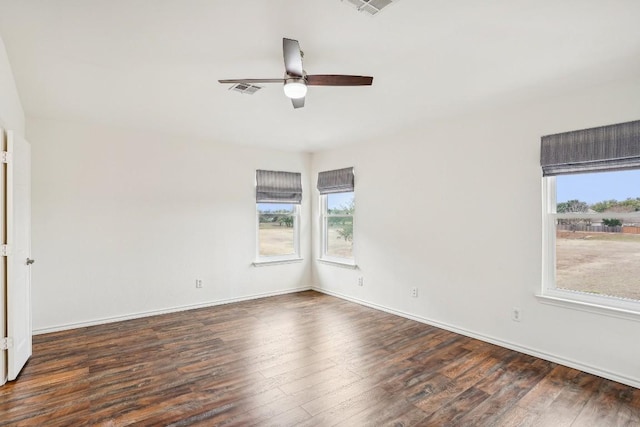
[597,187]
[339,200]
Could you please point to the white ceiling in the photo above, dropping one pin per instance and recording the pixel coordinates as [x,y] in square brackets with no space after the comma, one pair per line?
[154,64]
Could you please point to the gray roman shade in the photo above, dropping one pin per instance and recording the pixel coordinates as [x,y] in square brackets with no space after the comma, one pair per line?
[278,187]
[605,148]
[335,181]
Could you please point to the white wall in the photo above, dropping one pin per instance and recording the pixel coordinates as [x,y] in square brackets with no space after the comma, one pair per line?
[454,209]
[11,113]
[124,222]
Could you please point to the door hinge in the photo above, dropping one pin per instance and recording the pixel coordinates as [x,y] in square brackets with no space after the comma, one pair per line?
[4,250]
[6,157]
[6,343]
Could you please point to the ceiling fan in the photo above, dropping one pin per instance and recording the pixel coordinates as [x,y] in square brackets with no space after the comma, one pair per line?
[296,79]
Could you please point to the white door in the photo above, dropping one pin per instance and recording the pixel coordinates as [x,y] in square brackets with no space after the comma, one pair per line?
[18,266]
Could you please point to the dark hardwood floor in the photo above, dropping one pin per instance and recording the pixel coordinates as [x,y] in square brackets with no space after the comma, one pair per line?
[304,359]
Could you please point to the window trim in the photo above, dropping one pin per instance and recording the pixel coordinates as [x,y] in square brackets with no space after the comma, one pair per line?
[550,294]
[261,260]
[324,230]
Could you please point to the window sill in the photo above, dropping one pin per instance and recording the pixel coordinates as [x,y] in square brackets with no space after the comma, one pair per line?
[264,263]
[339,263]
[590,307]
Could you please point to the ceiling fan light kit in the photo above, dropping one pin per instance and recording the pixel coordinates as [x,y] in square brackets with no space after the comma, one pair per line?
[295,87]
[296,80]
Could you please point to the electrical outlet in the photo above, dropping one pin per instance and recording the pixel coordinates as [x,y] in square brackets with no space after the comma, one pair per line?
[516,314]
[360,281]
[198,283]
[414,292]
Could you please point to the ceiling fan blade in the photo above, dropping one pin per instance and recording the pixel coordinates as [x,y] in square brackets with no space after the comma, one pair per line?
[252,81]
[338,80]
[292,57]
[297,102]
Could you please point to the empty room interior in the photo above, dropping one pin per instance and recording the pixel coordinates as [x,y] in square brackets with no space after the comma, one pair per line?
[336,212]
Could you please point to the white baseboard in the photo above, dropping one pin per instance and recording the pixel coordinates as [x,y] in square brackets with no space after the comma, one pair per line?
[526,350]
[105,320]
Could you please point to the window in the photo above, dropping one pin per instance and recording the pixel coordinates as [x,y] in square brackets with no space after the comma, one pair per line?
[592,217]
[278,197]
[337,225]
[337,207]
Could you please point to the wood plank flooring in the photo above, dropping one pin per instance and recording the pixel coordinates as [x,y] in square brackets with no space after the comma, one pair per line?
[304,359]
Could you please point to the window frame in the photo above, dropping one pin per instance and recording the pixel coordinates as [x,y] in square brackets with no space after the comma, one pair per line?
[279,259]
[324,233]
[601,304]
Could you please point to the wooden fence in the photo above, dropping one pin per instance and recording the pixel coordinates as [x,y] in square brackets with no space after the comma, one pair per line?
[599,228]
[631,230]
[590,228]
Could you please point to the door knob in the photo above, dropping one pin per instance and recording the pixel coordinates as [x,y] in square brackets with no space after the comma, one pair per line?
[30,261]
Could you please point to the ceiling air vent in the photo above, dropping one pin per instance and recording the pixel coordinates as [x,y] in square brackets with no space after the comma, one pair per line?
[247,88]
[370,6]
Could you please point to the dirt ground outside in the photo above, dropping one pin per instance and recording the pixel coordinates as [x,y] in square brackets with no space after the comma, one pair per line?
[278,240]
[337,246]
[601,263]
[275,240]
